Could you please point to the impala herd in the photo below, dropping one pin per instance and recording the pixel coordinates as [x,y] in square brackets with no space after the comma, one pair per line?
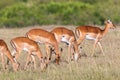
[51,40]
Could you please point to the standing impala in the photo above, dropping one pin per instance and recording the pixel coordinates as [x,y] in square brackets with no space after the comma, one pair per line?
[67,36]
[5,51]
[20,44]
[47,38]
[93,33]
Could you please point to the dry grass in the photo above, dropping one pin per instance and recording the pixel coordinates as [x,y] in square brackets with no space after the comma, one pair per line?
[87,68]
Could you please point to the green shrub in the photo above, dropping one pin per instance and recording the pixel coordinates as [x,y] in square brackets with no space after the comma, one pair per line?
[26,13]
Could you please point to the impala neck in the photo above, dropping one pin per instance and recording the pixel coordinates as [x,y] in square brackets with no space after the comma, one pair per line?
[105,30]
[76,47]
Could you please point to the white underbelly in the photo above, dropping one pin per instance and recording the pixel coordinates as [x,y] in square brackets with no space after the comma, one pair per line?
[25,49]
[64,40]
[89,37]
[42,40]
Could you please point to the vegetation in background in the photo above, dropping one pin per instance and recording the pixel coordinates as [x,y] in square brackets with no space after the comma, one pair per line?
[20,13]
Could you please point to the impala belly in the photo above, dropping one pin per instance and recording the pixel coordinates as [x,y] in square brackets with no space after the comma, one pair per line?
[25,49]
[91,36]
[41,40]
[64,40]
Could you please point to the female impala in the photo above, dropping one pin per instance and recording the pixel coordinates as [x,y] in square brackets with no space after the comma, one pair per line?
[22,43]
[47,38]
[67,36]
[5,51]
[93,33]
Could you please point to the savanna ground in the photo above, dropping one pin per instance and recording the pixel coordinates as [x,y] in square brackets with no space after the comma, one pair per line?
[87,68]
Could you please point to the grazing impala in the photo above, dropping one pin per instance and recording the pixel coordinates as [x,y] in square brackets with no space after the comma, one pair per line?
[67,36]
[93,33]
[47,38]
[20,44]
[5,51]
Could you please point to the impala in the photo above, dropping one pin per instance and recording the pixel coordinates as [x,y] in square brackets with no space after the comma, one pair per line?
[20,44]
[93,33]
[5,51]
[67,36]
[47,38]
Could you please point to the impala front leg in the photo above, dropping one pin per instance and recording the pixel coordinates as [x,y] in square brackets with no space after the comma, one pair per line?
[34,62]
[73,53]
[69,53]
[48,52]
[94,46]
[57,59]
[28,60]
[101,48]
[3,62]
[17,55]
[57,54]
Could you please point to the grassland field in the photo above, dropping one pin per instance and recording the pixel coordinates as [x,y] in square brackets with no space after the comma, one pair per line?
[87,68]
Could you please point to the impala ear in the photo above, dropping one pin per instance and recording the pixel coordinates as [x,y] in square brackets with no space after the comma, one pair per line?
[108,21]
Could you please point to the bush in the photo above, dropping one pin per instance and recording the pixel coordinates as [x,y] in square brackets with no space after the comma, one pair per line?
[64,13]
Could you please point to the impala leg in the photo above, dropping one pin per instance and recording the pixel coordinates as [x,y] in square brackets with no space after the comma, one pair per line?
[101,48]
[7,63]
[34,62]
[52,51]
[43,63]
[69,52]
[72,51]
[17,55]
[57,59]
[28,60]
[48,53]
[3,62]
[94,46]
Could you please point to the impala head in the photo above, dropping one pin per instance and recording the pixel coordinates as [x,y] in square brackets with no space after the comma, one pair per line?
[110,24]
[16,65]
[77,52]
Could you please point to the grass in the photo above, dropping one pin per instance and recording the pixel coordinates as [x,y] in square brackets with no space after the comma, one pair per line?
[87,68]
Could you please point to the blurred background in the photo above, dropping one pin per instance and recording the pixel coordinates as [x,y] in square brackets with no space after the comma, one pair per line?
[22,13]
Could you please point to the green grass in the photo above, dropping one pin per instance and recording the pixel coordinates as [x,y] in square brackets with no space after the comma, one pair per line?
[87,68]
